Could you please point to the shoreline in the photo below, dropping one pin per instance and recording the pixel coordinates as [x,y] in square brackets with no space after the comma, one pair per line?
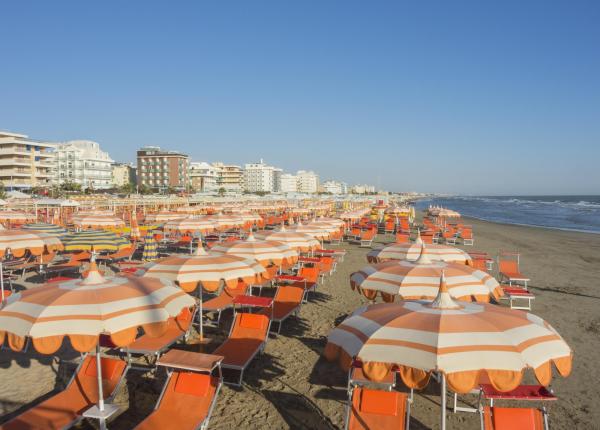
[545,227]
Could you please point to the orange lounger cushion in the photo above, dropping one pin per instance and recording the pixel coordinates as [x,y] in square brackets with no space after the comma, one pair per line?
[185,404]
[376,409]
[62,409]
[513,418]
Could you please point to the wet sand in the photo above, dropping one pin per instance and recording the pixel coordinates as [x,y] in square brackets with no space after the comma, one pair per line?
[292,386]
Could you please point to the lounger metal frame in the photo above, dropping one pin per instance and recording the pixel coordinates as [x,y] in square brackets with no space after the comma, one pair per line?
[542,409]
[409,400]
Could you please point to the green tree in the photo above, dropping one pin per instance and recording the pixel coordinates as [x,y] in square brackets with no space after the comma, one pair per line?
[2,191]
[222,191]
[144,189]
[128,188]
[70,187]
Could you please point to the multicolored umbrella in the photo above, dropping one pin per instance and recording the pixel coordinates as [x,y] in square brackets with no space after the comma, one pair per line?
[94,240]
[42,227]
[150,247]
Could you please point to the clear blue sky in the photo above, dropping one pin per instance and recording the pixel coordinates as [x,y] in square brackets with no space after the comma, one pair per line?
[448,96]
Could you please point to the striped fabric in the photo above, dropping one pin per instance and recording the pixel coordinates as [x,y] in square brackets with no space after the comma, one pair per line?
[190,225]
[420,280]
[299,241]
[20,241]
[314,231]
[97,221]
[16,217]
[150,247]
[97,240]
[161,217]
[465,341]
[225,221]
[42,227]
[84,309]
[411,251]
[209,270]
[266,252]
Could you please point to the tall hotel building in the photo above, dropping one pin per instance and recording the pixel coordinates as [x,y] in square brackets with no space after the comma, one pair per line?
[160,169]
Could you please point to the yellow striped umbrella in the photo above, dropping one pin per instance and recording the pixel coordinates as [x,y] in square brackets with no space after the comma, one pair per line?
[461,341]
[266,252]
[94,240]
[420,280]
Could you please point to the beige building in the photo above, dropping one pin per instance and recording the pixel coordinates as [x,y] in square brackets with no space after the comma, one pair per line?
[160,169]
[24,162]
[83,162]
[229,176]
[308,182]
[123,174]
[203,177]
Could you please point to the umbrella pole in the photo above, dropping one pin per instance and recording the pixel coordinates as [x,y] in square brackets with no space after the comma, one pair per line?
[100,390]
[443,395]
[200,315]
[2,279]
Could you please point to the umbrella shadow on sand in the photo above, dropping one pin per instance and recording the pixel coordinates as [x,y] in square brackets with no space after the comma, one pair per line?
[298,411]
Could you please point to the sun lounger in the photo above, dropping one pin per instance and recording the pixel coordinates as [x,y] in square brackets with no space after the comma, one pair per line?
[224,300]
[494,418]
[328,265]
[120,255]
[65,409]
[309,279]
[190,393]
[375,409]
[356,377]
[366,238]
[517,294]
[467,235]
[390,227]
[152,347]
[508,268]
[402,237]
[287,302]
[247,338]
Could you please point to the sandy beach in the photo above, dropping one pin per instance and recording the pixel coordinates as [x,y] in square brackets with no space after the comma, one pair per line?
[292,386]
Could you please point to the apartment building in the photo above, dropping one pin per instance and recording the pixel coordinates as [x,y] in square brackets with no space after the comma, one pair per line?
[160,169]
[289,183]
[24,162]
[335,187]
[83,162]
[123,174]
[229,177]
[203,177]
[308,182]
[260,177]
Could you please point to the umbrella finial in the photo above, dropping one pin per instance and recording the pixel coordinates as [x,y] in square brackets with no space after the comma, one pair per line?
[200,250]
[423,256]
[282,226]
[250,238]
[443,299]
[93,277]
[418,240]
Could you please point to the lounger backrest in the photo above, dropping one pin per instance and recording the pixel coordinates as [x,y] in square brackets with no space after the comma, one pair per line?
[513,418]
[466,233]
[326,263]
[377,409]
[250,326]
[289,294]
[195,384]
[311,274]
[402,238]
[508,265]
[111,368]
[479,264]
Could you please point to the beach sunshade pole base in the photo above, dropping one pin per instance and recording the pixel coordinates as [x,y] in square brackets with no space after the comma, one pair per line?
[2,279]
[443,405]
[100,392]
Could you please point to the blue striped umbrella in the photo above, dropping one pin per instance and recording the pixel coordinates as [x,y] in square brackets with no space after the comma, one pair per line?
[42,227]
[98,240]
[150,247]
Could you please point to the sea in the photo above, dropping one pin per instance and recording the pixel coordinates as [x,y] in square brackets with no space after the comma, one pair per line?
[576,213]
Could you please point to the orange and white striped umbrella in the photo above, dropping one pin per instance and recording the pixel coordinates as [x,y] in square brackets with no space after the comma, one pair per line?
[84,309]
[161,217]
[463,341]
[16,217]
[209,270]
[266,252]
[191,209]
[299,241]
[97,221]
[411,251]
[190,225]
[318,232]
[420,280]
[225,221]
[20,241]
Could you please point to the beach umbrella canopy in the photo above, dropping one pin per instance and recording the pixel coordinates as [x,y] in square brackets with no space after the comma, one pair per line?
[299,241]
[316,231]
[190,225]
[225,221]
[420,280]
[94,240]
[19,241]
[463,342]
[161,217]
[210,270]
[150,247]
[266,252]
[97,221]
[42,227]
[16,217]
[412,251]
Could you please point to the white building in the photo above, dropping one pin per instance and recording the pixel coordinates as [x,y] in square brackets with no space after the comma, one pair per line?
[335,187]
[229,177]
[289,183]
[84,163]
[363,189]
[203,177]
[307,182]
[260,177]
[24,162]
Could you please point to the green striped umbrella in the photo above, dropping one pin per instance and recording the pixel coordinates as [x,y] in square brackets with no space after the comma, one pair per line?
[150,247]
[42,227]
[97,240]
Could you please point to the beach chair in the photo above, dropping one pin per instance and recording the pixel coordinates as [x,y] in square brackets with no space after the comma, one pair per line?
[189,394]
[390,226]
[370,409]
[427,237]
[178,328]
[224,300]
[65,409]
[247,338]
[508,268]
[287,302]
[404,224]
[328,265]
[402,237]
[467,235]
[495,418]
[356,377]
[366,238]
[120,255]
[311,276]
[518,297]
[72,265]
